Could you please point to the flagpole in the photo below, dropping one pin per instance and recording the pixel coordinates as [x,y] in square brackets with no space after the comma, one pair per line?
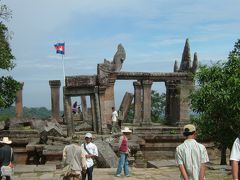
[63,71]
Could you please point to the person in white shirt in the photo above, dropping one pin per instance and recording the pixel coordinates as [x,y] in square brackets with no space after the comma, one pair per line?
[114,120]
[91,152]
[235,158]
[191,156]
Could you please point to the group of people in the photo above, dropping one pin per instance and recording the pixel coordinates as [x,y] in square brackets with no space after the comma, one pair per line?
[79,159]
[190,156]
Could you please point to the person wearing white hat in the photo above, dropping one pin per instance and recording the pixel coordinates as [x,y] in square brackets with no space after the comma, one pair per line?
[123,153]
[191,156]
[6,154]
[91,152]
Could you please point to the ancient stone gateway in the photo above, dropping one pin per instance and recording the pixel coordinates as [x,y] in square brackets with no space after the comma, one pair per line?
[100,88]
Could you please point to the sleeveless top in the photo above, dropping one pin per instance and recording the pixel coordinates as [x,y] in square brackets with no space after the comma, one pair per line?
[124,145]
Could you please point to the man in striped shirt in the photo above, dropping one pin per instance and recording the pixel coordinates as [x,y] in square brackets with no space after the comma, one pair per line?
[191,156]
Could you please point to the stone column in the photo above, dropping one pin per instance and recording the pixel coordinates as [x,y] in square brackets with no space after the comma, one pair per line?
[146,84]
[68,115]
[172,103]
[19,103]
[137,103]
[55,99]
[185,88]
[93,109]
[84,108]
[102,108]
[98,112]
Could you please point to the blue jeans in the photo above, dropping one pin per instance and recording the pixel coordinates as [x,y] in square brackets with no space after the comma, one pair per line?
[123,164]
[89,173]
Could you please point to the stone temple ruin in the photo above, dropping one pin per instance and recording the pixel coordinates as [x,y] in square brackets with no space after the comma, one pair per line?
[46,140]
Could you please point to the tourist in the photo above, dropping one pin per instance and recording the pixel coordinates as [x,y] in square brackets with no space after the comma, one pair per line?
[74,108]
[191,156]
[74,157]
[123,153]
[6,155]
[235,158]
[91,152]
[114,120]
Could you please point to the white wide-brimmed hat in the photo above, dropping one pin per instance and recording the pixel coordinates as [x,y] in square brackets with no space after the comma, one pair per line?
[126,130]
[6,140]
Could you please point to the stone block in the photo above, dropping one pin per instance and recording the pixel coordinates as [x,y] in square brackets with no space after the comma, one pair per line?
[24,168]
[81,81]
[46,176]
[125,105]
[45,168]
[107,158]
[161,163]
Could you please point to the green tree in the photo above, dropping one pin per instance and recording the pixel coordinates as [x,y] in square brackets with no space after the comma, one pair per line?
[216,101]
[8,86]
[157,108]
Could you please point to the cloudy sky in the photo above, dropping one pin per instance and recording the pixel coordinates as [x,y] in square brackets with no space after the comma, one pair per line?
[153,33]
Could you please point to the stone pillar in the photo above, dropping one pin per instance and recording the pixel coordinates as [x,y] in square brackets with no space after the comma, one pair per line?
[172,103]
[55,97]
[104,122]
[68,115]
[84,108]
[184,102]
[146,84]
[98,112]
[19,103]
[93,109]
[137,103]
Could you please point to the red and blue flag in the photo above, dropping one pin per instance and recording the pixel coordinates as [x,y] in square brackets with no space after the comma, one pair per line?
[60,48]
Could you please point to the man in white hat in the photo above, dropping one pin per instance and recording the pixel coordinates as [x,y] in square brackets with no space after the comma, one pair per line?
[91,152]
[123,153]
[191,156]
[6,154]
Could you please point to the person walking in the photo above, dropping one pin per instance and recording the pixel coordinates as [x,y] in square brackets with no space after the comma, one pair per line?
[91,152]
[123,153]
[114,120]
[74,157]
[235,159]
[6,154]
[191,156]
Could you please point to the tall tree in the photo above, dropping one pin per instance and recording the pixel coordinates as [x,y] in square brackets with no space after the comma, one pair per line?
[157,108]
[8,86]
[216,100]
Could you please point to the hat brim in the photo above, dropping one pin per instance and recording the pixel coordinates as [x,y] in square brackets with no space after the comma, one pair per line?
[6,142]
[126,131]
[87,137]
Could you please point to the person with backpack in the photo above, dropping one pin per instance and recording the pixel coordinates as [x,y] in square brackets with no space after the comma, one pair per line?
[235,159]
[91,152]
[74,159]
[6,156]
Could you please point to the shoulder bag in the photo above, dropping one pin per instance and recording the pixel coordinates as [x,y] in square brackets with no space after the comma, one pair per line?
[8,170]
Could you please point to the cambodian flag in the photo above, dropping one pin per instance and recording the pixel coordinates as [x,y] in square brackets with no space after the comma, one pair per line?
[60,48]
